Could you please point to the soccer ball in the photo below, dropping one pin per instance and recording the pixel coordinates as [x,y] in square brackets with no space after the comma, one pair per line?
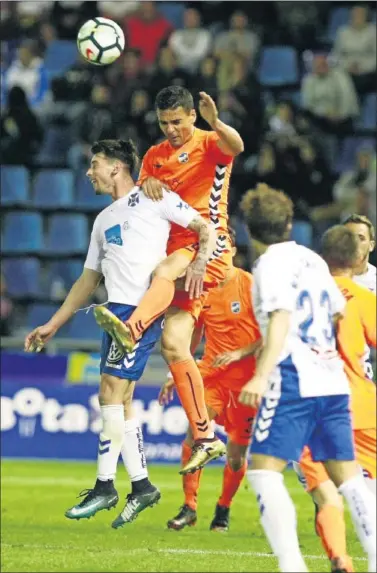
[100,41]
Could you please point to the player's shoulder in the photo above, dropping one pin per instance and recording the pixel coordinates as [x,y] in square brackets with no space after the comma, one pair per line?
[245,276]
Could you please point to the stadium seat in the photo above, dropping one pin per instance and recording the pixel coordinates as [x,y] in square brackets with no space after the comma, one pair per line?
[348,151]
[55,145]
[293,96]
[86,198]
[67,270]
[14,185]
[338,17]
[278,66]
[53,189]
[60,55]
[302,233]
[83,326]
[23,233]
[22,276]
[368,118]
[242,237]
[39,313]
[173,11]
[67,234]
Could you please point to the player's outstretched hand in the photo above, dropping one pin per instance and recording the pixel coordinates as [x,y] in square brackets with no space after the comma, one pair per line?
[227,358]
[153,189]
[208,109]
[166,394]
[252,393]
[35,341]
[195,276]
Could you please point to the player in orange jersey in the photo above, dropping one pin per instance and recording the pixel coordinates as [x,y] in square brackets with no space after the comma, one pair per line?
[341,250]
[232,337]
[195,164]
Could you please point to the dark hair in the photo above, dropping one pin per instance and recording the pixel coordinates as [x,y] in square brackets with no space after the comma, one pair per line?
[361,220]
[17,98]
[173,97]
[340,247]
[123,150]
[232,236]
[268,214]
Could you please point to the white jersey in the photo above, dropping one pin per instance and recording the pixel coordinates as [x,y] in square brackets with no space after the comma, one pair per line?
[368,279]
[293,278]
[129,239]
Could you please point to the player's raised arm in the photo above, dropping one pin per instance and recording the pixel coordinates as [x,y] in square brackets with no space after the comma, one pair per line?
[230,141]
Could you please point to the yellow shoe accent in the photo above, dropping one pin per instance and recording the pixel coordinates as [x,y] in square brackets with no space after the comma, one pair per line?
[202,453]
[118,331]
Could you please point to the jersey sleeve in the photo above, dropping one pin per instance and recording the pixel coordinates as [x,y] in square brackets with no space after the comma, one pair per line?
[275,294]
[95,255]
[214,152]
[146,169]
[368,312]
[175,210]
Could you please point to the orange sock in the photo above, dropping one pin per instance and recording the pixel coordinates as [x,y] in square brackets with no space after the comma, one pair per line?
[189,385]
[190,481]
[332,530]
[154,303]
[231,482]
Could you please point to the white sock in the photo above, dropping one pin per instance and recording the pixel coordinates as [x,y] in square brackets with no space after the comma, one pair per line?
[133,450]
[110,441]
[371,485]
[278,518]
[362,505]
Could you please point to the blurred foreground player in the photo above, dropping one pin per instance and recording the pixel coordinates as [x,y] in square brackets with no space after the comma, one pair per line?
[121,250]
[299,384]
[231,338]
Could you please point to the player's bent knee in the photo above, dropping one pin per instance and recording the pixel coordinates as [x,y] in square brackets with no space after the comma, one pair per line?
[112,390]
[327,494]
[236,463]
[174,347]
[341,471]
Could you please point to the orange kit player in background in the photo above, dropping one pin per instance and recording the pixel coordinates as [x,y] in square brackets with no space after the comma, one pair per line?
[195,164]
[341,251]
[232,336]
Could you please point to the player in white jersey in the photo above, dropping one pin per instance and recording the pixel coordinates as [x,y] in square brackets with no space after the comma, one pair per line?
[365,274]
[128,241]
[299,383]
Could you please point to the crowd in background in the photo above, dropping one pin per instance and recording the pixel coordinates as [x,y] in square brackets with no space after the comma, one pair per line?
[293,136]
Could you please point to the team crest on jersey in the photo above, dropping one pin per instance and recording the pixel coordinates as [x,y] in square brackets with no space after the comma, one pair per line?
[114,236]
[114,354]
[133,200]
[235,307]
[183,158]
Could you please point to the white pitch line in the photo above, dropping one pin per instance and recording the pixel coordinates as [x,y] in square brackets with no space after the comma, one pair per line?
[166,550]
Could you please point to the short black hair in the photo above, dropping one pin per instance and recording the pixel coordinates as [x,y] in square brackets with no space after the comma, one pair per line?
[123,150]
[340,247]
[173,97]
[232,236]
[361,220]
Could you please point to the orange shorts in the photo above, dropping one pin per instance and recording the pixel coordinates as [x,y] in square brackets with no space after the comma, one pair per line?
[236,418]
[365,446]
[216,272]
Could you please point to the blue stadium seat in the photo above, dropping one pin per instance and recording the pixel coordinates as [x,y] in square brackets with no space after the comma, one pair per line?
[83,326]
[67,234]
[86,197]
[348,152]
[173,11]
[338,17]
[278,66]
[242,237]
[22,276]
[302,233]
[368,118]
[55,145]
[38,314]
[23,233]
[14,185]
[67,270]
[53,189]
[60,55]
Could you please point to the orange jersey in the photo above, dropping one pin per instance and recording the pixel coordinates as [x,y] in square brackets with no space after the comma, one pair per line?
[229,324]
[199,172]
[355,331]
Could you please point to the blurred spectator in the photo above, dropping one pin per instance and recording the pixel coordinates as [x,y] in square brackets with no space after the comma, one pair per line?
[238,39]
[206,78]
[116,10]
[354,192]
[28,72]
[77,82]
[10,28]
[6,310]
[68,15]
[46,35]
[95,122]
[138,121]
[191,44]
[299,23]
[126,77]
[329,96]
[147,31]
[283,119]
[167,72]
[355,48]
[21,132]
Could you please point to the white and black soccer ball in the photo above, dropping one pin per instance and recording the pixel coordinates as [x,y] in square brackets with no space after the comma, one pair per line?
[100,41]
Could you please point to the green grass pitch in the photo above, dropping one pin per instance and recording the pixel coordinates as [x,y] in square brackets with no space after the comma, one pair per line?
[37,537]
